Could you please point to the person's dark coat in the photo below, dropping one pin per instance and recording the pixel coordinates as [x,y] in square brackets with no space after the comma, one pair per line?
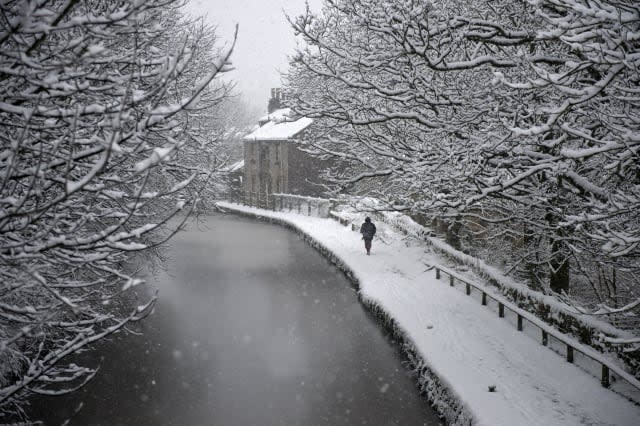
[368,229]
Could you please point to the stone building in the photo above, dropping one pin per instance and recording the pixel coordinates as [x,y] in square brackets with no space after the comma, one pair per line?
[273,163]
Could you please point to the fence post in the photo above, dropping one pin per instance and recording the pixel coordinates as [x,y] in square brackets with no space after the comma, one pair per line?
[451,280]
[570,354]
[545,338]
[605,376]
[484,299]
[500,310]
[437,274]
[468,289]
[519,322]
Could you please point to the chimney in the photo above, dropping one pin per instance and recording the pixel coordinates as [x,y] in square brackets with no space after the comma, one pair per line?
[277,97]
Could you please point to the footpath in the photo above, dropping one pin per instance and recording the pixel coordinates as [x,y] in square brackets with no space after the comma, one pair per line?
[465,347]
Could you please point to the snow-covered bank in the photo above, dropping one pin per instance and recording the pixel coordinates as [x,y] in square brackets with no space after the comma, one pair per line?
[465,346]
[558,313]
[564,318]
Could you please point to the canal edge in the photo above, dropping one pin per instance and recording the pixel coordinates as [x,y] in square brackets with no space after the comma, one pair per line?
[440,396]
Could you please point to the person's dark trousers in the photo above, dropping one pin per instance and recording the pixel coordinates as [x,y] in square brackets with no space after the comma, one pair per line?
[367,245]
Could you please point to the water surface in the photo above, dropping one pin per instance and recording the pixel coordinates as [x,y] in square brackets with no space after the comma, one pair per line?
[253,327]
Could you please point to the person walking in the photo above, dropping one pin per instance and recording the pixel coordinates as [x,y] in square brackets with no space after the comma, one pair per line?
[368,230]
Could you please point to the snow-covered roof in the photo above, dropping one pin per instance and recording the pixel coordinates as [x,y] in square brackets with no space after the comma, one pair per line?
[277,115]
[279,126]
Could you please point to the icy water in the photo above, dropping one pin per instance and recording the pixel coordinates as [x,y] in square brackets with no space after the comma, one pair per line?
[253,327]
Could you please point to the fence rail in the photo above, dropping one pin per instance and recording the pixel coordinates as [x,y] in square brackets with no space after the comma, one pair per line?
[545,331]
[309,206]
[258,199]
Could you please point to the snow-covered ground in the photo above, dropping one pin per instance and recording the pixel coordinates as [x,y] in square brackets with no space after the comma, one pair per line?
[465,344]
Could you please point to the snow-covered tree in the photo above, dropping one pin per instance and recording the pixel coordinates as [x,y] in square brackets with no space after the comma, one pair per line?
[518,119]
[103,120]
[582,122]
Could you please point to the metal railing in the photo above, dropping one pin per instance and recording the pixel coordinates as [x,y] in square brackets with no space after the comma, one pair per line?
[309,206]
[258,199]
[607,368]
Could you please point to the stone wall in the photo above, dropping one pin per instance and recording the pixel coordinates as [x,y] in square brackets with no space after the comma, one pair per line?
[266,170]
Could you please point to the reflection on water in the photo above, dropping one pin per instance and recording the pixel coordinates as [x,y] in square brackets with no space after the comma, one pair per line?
[253,327]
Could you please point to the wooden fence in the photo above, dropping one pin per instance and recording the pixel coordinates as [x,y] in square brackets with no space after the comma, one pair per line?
[606,367]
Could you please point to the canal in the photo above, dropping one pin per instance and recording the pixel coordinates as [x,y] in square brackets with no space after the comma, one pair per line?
[253,327]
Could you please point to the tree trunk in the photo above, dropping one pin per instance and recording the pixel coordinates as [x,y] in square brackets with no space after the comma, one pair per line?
[453,234]
[559,277]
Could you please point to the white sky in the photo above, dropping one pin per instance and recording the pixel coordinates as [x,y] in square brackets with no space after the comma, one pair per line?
[264,40]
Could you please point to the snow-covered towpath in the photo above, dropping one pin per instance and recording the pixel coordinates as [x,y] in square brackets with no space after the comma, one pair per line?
[466,345]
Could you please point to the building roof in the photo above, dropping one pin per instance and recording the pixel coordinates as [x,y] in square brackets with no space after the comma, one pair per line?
[279,126]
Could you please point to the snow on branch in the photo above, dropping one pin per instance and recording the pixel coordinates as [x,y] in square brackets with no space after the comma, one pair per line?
[105,116]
